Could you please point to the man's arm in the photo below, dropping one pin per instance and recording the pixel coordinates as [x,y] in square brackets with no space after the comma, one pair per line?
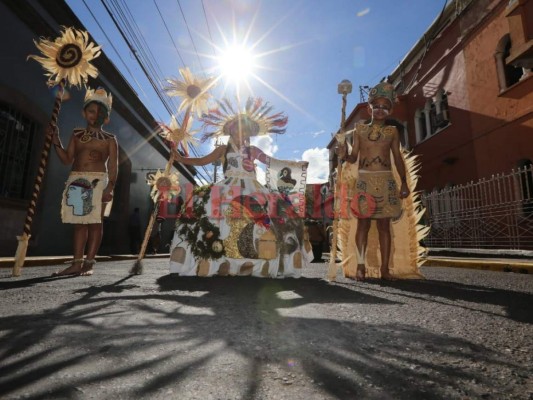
[399,164]
[65,155]
[112,170]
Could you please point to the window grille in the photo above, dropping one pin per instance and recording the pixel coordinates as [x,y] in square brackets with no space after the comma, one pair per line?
[17,132]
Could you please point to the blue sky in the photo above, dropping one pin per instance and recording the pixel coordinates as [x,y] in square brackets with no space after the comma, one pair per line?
[303,50]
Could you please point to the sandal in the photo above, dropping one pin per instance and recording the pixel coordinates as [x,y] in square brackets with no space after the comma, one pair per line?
[87,269]
[74,269]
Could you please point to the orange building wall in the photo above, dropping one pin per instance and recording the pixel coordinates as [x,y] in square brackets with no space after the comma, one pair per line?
[501,124]
[489,132]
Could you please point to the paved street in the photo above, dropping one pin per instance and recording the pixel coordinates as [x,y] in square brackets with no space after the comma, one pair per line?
[460,334]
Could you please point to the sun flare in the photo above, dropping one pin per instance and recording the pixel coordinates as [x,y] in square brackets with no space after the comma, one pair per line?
[237,63]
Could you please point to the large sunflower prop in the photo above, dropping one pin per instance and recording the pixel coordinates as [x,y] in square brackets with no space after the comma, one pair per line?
[193,91]
[68,57]
[178,135]
[164,186]
[253,120]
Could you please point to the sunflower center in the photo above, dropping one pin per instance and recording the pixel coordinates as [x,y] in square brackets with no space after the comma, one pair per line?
[69,56]
[193,91]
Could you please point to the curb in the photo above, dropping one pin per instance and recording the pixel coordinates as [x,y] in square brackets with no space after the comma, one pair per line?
[511,265]
[8,262]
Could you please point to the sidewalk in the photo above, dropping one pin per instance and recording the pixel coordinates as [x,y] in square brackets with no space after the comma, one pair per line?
[490,264]
[522,266]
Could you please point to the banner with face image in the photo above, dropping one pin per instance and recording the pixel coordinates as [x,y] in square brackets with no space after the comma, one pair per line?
[289,179]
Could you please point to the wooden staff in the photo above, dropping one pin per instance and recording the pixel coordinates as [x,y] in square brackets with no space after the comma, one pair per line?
[22,248]
[332,268]
[137,268]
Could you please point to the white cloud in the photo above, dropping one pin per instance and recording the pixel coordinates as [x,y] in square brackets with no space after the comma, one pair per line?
[318,159]
[316,134]
[265,143]
[363,12]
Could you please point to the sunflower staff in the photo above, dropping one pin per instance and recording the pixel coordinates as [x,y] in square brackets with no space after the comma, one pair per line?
[194,93]
[67,62]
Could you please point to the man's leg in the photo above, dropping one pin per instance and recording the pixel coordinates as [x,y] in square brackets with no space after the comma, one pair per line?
[361,238]
[94,240]
[80,240]
[384,246]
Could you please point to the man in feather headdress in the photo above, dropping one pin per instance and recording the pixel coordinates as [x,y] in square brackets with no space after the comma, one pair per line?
[376,195]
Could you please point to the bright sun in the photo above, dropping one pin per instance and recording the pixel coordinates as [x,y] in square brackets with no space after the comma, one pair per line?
[237,63]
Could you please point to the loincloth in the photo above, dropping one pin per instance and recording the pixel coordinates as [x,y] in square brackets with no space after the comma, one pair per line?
[82,198]
[376,195]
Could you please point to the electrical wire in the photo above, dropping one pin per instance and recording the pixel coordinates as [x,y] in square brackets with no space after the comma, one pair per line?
[141,56]
[190,35]
[118,54]
[169,34]
[208,29]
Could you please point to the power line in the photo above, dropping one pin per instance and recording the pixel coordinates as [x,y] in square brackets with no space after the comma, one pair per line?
[169,34]
[190,35]
[208,29]
[145,65]
[117,52]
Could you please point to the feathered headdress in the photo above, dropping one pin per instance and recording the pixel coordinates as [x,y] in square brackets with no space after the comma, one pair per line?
[99,96]
[253,120]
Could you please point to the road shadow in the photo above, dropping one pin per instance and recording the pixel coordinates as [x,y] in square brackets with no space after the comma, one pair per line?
[516,304]
[139,342]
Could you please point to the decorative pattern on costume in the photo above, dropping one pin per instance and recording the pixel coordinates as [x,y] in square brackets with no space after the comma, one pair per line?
[81,202]
[376,160]
[86,135]
[381,186]
[233,162]
[375,132]
[198,225]
[80,196]
[245,242]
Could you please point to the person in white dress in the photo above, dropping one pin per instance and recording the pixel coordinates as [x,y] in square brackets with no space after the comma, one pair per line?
[237,226]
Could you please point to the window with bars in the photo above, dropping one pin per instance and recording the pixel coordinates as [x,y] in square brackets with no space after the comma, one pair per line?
[17,132]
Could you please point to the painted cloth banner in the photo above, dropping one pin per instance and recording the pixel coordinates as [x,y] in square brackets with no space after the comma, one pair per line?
[289,179]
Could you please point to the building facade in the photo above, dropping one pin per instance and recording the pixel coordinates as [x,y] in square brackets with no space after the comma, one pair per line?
[466,93]
[25,108]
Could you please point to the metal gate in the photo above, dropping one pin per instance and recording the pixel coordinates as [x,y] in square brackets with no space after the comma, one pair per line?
[494,213]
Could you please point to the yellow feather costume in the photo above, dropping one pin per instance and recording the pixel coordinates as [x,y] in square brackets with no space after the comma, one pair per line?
[406,233]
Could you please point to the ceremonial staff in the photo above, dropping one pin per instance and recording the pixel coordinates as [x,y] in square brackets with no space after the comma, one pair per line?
[344,88]
[165,185]
[67,62]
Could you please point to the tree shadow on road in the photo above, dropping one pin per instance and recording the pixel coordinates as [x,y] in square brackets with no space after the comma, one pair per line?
[232,335]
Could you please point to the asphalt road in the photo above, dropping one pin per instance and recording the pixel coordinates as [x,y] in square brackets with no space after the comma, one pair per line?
[459,334]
